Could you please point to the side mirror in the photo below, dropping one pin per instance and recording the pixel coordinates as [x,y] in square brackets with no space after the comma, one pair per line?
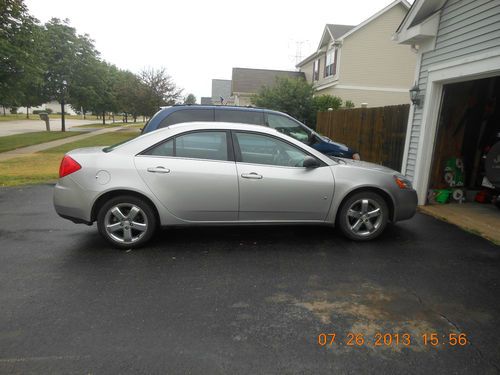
[310,162]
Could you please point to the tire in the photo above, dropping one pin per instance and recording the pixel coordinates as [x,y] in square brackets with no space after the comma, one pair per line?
[114,224]
[354,220]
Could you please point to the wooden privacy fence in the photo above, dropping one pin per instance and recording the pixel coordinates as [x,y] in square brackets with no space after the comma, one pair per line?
[378,134]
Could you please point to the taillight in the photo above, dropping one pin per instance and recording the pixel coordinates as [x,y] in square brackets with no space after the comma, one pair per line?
[68,166]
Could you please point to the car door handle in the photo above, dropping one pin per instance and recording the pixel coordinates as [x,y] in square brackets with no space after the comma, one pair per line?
[159,170]
[252,176]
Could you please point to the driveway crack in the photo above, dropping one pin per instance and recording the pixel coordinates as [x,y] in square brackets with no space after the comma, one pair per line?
[456,326]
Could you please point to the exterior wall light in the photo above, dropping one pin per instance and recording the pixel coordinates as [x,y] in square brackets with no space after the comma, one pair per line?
[415,96]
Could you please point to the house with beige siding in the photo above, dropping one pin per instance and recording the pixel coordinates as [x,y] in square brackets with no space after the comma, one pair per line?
[247,82]
[361,63]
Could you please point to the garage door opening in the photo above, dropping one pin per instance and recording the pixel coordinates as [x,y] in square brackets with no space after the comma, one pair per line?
[467,130]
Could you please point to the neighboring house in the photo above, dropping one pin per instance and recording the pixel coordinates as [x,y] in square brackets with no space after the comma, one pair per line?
[248,82]
[361,63]
[457,98]
[221,91]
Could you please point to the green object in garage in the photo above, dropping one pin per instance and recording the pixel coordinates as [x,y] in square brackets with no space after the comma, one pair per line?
[442,195]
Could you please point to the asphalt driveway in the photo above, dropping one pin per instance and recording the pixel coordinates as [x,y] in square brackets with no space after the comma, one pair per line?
[242,300]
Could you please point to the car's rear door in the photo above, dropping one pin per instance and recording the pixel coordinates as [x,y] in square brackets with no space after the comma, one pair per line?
[273,184]
[193,175]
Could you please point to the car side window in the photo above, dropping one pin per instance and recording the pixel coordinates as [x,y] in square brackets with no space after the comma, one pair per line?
[202,145]
[163,149]
[286,126]
[254,117]
[187,115]
[195,145]
[262,149]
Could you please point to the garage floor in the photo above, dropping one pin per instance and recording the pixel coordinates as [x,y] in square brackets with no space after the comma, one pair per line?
[483,219]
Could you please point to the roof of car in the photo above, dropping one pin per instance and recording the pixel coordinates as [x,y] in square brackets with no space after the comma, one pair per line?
[195,125]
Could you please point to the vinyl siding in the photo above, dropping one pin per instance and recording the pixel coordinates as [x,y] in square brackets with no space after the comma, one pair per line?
[369,57]
[466,28]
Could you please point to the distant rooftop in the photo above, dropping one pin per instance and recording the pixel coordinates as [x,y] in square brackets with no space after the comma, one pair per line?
[246,80]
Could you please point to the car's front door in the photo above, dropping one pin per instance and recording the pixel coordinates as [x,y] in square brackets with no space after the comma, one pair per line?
[193,175]
[273,184]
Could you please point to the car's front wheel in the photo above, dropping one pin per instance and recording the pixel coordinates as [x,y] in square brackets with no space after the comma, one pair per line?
[363,216]
[126,221]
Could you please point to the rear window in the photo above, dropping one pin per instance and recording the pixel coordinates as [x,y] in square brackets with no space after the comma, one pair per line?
[244,117]
[187,115]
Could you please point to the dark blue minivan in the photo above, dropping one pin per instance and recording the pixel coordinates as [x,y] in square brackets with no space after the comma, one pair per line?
[246,115]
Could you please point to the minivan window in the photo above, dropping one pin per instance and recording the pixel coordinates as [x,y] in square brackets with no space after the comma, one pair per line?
[254,117]
[287,126]
[187,115]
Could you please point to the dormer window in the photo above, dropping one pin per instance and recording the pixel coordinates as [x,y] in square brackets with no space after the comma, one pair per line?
[331,62]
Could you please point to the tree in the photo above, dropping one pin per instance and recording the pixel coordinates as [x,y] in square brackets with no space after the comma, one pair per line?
[162,91]
[68,57]
[190,99]
[290,95]
[323,103]
[18,50]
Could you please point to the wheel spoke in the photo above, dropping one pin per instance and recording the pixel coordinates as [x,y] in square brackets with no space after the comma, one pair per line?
[364,206]
[357,225]
[127,234]
[139,226]
[376,212]
[354,214]
[133,213]
[118,213]
[113,227]
[369,225]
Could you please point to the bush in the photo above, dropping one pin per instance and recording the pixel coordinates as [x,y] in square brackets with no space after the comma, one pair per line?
[13,110]
[349,104]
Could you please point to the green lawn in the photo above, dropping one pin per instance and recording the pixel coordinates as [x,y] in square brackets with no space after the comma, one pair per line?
[11,142]
[43,167]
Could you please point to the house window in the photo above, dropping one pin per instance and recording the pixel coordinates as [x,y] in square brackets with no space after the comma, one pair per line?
[316,70]
[331,63]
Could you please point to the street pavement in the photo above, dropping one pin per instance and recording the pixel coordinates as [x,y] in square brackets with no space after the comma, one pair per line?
[27,126]
[243,300]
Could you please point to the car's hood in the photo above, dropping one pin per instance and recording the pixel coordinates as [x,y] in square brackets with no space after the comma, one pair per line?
[365,165]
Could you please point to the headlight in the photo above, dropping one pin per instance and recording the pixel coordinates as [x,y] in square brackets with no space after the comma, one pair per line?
[402,182]
[356,156]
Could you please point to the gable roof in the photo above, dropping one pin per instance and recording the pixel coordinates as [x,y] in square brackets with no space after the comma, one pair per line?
[420,11]
[246,80]
[340,32]
[336,31]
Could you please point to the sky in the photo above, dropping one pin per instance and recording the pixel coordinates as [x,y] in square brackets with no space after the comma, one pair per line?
[198,40]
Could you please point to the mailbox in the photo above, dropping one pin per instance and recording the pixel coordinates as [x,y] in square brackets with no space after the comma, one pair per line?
[44,116]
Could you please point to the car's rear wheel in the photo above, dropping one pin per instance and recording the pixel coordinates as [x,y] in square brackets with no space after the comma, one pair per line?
[363,216]
[126,221]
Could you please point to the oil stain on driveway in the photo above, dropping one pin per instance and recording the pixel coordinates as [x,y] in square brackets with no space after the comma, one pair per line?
[243,300]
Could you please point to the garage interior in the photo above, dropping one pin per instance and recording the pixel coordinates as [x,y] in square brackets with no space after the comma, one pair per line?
[468,127]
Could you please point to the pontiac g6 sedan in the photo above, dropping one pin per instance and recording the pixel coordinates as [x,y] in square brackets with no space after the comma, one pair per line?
[221,173]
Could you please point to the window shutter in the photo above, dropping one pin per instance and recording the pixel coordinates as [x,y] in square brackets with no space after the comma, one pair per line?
[334,67]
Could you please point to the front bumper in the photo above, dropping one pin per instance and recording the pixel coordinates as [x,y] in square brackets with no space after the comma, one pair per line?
[405,204]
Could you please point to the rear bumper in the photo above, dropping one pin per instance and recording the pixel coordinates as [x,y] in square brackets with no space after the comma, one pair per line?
[70,202]
[406,204]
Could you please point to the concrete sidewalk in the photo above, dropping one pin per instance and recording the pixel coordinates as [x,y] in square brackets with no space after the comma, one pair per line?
[44,146]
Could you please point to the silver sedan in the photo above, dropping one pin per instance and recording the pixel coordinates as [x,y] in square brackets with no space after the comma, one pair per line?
[221,173]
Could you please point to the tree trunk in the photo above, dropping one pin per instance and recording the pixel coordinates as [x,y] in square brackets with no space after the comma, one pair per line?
[63,120]
[126,117]
[84,115]
[135,119]
[4,110]
[113,117]
[103,118]
[27,112]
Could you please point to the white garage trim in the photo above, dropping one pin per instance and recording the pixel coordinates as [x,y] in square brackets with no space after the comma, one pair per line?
[466,69]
